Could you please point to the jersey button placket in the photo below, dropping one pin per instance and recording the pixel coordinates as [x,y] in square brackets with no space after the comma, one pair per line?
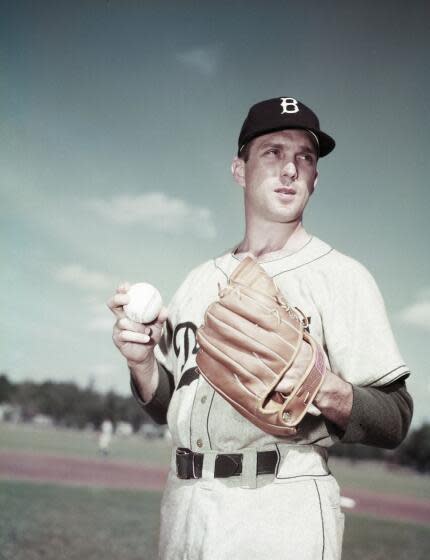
[200,437]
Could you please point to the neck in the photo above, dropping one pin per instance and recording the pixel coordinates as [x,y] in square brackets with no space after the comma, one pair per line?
[272,238]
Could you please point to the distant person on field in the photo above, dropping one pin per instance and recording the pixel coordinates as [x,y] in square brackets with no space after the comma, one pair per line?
[106,430]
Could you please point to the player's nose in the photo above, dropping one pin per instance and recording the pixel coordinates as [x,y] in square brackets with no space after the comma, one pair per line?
[289,170]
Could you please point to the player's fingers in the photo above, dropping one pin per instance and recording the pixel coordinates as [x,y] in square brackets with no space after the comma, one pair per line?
[126,324]
[131,336]
[285,386]
[160,320]
[123,287]
[314,410]
[162,316]
[117,302]
[116,333]
[155,327]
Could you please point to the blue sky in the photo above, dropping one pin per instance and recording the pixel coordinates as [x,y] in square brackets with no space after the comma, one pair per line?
[119,123]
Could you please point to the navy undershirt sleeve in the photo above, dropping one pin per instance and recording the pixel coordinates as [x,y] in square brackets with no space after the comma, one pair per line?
[380,416]
[159,403]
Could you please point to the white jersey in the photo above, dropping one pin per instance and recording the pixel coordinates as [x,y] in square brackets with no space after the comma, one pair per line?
[294,512]
[346,316]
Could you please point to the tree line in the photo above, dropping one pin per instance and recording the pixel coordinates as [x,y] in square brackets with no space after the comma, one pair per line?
[71,406]
[414,452]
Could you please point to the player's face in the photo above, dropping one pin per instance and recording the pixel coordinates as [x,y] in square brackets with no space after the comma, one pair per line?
[279,176]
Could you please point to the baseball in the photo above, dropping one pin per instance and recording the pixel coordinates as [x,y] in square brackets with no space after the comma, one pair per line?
[145,303]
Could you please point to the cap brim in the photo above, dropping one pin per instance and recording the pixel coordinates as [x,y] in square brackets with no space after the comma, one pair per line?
[326,142]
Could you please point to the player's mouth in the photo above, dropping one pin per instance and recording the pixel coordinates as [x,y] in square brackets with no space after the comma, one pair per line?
[285,191]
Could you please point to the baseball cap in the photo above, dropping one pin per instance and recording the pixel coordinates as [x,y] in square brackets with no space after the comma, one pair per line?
[280,113]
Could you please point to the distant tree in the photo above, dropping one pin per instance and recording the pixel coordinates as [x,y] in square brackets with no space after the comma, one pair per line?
[91,408]
[26,397]
[415,451]
[131,412]
[357,452]
[7,389]
[60,401]
[111,405]
[71,406]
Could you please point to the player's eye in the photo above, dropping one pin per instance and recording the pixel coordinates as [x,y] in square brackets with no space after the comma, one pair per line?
[309,158]
[271,151]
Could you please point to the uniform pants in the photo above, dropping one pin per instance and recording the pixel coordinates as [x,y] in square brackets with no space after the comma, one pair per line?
[284,517]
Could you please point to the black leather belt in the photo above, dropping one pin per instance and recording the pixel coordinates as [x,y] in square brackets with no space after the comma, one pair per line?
[189,464]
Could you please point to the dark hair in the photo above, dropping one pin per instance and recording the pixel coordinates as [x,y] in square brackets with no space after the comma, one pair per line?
[244,152]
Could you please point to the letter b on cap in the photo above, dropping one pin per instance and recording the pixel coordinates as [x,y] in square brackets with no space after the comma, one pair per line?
[289,105]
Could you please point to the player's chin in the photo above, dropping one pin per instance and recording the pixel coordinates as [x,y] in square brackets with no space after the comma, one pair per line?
[286,216]
[293,211]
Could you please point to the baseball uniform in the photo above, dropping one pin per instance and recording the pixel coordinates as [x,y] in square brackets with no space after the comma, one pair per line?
[293,513]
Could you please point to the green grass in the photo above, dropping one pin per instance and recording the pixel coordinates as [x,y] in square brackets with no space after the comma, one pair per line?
[74,443]
[361,475]
[50,522]
[53,522]
[367,538]
[374,476]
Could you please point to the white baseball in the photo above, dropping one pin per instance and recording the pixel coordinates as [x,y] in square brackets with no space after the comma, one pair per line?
[145,303]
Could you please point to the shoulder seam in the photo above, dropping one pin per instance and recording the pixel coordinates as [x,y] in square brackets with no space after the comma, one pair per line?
[304,264]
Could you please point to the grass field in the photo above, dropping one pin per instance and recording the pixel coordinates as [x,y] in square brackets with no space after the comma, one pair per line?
[49,522]
[53,522]
[71,443]
[364,475]
[375,477]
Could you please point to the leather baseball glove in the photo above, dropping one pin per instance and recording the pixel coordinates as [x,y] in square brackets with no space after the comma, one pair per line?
[249,341]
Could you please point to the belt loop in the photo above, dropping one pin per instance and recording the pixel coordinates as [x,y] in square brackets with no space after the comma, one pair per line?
[249,468]
[208,470]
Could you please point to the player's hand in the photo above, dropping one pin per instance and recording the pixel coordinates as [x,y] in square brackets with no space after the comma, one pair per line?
[290,380]
[135,341]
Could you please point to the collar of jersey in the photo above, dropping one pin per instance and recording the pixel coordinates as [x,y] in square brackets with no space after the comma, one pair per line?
[313,250]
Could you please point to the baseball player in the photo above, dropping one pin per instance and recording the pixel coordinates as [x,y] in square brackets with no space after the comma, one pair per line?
[105,437]
[235,490]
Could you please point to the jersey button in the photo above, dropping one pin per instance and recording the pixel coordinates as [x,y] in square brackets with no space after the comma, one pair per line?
[199,443]
[203,399]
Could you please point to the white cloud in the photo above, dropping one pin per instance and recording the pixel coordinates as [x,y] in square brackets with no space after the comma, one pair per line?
[157,211]
[418,312]
[202,59]
[76,275]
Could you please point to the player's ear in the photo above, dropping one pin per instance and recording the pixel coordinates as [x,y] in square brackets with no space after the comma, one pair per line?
[238,171]
[315,181]
[316,178]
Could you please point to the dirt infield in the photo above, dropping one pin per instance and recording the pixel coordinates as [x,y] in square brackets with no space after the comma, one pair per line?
[120,474]
[72,470]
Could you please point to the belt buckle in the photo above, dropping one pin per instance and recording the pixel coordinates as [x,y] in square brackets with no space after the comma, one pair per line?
[228,464]
[186,463]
